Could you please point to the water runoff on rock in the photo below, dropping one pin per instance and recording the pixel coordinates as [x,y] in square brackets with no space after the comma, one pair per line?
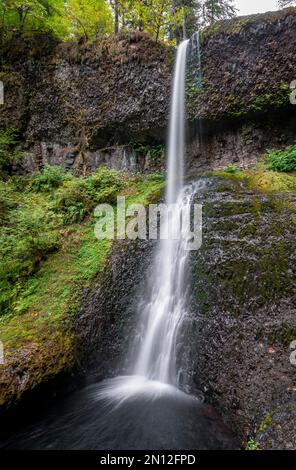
[165,308]
[145,410]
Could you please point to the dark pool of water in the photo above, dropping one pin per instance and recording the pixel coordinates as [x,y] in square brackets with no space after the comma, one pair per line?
[108,417]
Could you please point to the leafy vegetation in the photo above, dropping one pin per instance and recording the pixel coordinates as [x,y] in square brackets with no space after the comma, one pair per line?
[262,179]
[252,445]
[47,257]
[282,160]
[67,19]
[232,169]
[50,178]
[142,148]
[8,151]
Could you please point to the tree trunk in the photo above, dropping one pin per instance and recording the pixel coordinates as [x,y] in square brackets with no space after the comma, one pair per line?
[116,17]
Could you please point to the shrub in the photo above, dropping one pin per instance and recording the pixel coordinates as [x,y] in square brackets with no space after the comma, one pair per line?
[25,241]
[7,201]
[105,185]
[73,200]
[77,197]
[8,153]
[231,169]
[282,160]
[252,445]
[50,178]
[142,148]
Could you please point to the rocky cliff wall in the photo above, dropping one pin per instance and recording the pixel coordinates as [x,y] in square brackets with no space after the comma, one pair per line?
[242,106]
[73,102]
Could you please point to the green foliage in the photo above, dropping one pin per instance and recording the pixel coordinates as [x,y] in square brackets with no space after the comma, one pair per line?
[44,266]
[8,153]
[77,197]
[28,234]
[65,19]
[51,177]
[34,214]
[214,10]
[143,148]
[232,169]
[68,19]
[252,445]
[282,160]
[158,17]
[7,201]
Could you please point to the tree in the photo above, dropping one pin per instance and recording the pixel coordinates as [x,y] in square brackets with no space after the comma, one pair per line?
[154,16]
[65,18]
[286,3]
[214,10]
[191,10]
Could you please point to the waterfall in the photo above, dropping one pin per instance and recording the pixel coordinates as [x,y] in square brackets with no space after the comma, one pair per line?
[195,68]
[196,54]
[176,140]
[162,314]
[146,410]
[163,305]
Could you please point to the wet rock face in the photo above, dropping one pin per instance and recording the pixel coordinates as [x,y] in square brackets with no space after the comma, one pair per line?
[214,146]
[73,102]
[109,90]
[235,342]
[106,323]
[248,65]
[242,318]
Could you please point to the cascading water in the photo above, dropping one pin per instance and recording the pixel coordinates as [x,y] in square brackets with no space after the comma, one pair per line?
[163,313]
[176,143]
[145,410]
[195,72]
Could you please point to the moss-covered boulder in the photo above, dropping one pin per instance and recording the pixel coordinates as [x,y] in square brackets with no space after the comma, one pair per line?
[243,308]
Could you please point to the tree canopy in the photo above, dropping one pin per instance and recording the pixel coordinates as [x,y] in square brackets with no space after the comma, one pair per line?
[286,3]
[65,18]
[70,19]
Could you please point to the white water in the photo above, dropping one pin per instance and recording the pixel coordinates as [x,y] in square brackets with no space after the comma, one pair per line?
[164,306]
[145,410]
[176,141]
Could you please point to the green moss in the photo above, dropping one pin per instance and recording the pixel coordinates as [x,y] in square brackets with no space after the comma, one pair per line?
[235,25]
[236,176]
[266,423]
[252,445]
[270,181]
[261,179]
[248,230]
[48,298]
[264,273]
[283,336]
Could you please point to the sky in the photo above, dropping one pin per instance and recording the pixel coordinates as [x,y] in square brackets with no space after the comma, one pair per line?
[246,7]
